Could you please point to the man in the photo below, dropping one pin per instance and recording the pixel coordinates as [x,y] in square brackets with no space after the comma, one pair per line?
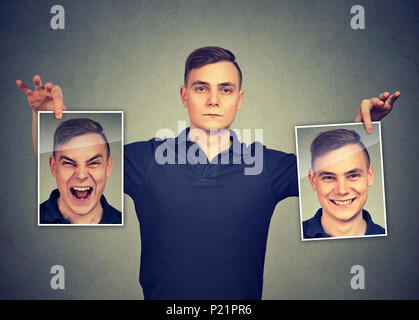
[341,173]
[204,225]
[81,162]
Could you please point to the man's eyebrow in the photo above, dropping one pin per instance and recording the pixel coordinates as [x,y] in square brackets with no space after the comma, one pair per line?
[199,82]
[357,170]
[96,156]
[326,173]
[223,84]
[227,84]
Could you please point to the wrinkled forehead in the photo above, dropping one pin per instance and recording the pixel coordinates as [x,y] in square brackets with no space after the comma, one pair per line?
[343,159]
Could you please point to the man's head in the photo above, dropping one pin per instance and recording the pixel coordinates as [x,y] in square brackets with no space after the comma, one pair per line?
[81,163]
[341,173]
[212,89]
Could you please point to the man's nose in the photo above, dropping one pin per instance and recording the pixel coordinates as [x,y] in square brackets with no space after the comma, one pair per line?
[213,99]
[341,186]
[81,172]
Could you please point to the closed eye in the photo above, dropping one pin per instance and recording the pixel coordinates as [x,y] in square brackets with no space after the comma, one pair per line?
[66,163]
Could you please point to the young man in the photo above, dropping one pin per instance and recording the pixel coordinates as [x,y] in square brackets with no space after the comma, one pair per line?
[81,162]
[341,174]
[204,224]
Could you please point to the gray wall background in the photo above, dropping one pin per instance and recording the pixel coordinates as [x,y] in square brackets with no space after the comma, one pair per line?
[302,65]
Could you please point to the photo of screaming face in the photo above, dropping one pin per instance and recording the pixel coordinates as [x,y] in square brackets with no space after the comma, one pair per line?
[81,162]
[81,167]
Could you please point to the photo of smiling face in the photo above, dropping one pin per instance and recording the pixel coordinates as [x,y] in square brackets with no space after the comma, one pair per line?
[341,179]
[81,167]
[212,96]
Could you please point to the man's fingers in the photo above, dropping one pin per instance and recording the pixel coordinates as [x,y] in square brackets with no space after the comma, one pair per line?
[37,82]
[28,92]
[383,96]
[391,99]
[375,102]
[365,108]
[48,88]
[57,97]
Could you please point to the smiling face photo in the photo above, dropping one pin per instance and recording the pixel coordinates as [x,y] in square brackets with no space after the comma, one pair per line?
[80,173]
[341,179]
[341,173]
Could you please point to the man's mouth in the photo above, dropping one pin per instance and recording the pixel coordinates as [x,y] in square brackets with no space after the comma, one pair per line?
[81,193]
[212,115]
[343,202]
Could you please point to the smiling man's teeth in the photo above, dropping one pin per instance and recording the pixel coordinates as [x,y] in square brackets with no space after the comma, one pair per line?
[341,203]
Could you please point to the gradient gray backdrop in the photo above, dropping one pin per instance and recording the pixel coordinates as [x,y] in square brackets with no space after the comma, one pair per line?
[302,64]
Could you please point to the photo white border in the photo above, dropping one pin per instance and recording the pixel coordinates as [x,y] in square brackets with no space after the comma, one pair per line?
[122,174]
[299,186]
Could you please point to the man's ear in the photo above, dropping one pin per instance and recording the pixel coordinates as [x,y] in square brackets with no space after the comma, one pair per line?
[312,179]
[184,96]
[52,165]
[109,166]
[370,175]
[241,96]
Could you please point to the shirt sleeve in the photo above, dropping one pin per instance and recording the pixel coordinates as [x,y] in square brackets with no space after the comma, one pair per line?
[281,170]
[138,158]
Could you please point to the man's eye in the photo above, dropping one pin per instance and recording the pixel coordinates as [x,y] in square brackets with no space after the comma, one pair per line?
[226,90]
[327,178]
[200,89]
[68,164]
[354,176]
[94,164]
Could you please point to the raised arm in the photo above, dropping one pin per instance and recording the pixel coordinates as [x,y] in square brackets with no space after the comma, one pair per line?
[43,98]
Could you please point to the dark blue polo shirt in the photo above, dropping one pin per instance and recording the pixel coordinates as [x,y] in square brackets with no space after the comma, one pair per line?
[50,214]
[312,228]
[204,226]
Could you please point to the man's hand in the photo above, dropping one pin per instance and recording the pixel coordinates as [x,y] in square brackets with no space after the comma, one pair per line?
[43,98]
[375,109]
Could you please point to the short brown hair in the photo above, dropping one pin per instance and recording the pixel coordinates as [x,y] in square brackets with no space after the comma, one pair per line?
[334,139]
[72,128]
[207,55]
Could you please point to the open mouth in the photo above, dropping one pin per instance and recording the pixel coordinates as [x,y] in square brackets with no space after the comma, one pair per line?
[342,202]
[81,193]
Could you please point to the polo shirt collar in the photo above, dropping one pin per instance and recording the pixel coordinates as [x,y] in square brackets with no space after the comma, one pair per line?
[315,229]
[183,140]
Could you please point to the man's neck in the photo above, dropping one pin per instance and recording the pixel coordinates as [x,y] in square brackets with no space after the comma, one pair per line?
[212,142]
[92,217]
[357,226]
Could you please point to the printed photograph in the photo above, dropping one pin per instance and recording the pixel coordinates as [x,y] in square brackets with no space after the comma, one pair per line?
[80,168]
[340,181]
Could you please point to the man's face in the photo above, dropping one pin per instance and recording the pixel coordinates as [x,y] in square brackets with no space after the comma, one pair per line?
[81,167]
[341,178]
[212,96]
